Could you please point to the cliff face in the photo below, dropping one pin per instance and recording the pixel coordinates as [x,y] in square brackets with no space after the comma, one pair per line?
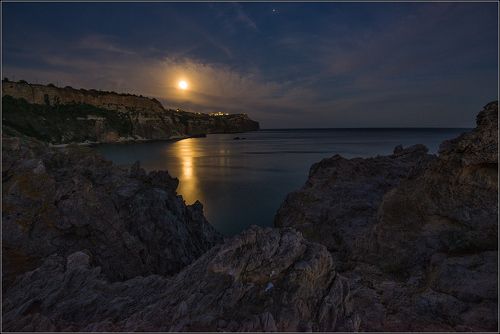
[67,115]
[78,123]
[203,123]
[416,235]
[41,94]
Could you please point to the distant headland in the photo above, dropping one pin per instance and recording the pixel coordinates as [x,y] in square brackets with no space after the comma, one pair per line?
[67,115]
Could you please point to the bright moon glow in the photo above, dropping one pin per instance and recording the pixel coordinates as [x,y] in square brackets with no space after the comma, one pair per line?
[183,85]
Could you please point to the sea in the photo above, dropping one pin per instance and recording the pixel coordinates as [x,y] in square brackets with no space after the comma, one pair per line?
[242,182]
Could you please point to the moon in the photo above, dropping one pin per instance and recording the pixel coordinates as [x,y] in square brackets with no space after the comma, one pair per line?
[183,84]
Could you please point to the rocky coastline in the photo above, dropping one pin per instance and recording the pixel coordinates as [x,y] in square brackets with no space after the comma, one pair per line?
[67,115]
[406,242]
[415,234]
[62,200]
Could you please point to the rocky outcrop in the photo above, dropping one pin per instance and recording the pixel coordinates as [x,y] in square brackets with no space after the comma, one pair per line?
[200,123]
[128,222]
[261,280]
[339,202]
[453,204]
[91,247]
[416,235]
[67,115]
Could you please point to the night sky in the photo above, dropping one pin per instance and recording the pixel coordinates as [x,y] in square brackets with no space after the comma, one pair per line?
[288,65]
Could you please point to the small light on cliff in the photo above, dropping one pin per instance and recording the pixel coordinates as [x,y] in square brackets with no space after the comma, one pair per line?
[183,84]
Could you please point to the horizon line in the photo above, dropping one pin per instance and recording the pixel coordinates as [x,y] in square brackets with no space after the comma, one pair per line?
[370,128]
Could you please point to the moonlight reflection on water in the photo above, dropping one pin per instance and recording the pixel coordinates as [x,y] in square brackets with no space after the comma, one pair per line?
[243,182]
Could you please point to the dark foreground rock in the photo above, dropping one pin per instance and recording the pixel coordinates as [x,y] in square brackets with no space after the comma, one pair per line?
[261,280]
[416,235]
[340,199]
[129,223]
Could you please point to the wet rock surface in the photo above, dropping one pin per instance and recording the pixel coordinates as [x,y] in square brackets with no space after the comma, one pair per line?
[415,235]
[59,201]
[260,280]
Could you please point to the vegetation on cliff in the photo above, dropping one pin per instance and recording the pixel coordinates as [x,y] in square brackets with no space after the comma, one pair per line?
[63,123]
[68,115]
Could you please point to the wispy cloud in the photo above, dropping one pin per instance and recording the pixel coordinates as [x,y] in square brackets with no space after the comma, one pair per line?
[243,17]
[435,59]
[102,43]
[213,87]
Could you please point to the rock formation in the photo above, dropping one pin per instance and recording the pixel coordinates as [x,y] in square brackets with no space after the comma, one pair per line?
[78,232]
[58,201]
[406,242]
[339,202]
[68,115]
[261,280]
[416,235]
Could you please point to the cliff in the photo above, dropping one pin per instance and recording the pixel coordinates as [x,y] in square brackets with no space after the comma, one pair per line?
[52,95]
[199,123]
[67,115]
[415,234]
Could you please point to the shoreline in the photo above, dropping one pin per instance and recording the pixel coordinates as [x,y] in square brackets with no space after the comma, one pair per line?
[141,140]
[126,141]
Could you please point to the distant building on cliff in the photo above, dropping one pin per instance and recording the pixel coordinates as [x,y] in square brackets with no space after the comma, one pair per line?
[218,113]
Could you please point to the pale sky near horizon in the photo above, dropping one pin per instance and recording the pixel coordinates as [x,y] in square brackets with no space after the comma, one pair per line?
[288,65]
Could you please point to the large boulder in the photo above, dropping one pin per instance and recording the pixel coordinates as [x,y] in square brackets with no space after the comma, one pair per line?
[58,201]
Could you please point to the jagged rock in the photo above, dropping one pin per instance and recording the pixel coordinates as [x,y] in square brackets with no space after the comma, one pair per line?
[443,225]
[452,207]
[340,199]
[61,201]
[227,289]
[416,235]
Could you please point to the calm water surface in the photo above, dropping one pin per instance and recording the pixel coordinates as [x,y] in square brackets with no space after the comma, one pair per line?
[243,182]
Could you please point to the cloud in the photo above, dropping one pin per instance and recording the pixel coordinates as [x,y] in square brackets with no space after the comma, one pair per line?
[437,61]
[243,17]
[213,87]
[102,43]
